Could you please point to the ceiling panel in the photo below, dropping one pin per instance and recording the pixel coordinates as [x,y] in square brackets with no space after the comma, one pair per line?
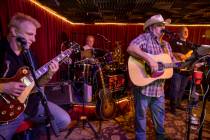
[131,11]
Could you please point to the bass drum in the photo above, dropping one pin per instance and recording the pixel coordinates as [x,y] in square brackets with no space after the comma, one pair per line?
[115,81]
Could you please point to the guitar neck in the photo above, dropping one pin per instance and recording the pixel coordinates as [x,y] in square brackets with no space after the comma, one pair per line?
[173,65]
[102,77]
[44,69]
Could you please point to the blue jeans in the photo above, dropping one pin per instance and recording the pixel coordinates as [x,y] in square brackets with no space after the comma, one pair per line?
[177,88]
[157,108]
[62,120]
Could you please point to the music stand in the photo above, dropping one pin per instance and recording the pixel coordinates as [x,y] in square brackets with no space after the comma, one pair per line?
[83,117]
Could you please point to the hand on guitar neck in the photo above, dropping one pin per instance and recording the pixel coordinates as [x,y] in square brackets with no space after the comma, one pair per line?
[183,57]
[53,68]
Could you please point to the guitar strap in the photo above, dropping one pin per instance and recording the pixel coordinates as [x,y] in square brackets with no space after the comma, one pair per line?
[5,65]
[163,46]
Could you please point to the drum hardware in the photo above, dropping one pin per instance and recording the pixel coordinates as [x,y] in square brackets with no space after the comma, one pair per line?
[117,84]
[85,71]
[117,54]
[97,52]
[85,61]
[87,95]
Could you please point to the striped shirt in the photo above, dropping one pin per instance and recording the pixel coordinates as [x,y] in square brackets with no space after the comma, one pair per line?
[148,43]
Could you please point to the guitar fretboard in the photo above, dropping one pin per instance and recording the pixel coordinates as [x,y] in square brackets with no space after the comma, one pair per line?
[42,70]
[172,65]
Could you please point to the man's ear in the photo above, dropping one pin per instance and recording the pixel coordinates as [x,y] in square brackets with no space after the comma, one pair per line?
[13,31]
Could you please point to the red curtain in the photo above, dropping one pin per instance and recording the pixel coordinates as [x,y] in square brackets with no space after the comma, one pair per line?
[55,30]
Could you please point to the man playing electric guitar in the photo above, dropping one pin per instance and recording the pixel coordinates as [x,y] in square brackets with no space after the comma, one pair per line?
[11,59]
[180,77]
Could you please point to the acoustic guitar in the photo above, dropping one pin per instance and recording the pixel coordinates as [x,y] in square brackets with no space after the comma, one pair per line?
[105,104]
[141,74]
[11,106]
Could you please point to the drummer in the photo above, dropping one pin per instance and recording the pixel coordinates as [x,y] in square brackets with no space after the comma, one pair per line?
[87,55]
[88,48]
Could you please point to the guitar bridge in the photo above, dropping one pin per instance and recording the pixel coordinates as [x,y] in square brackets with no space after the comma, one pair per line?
[26,81]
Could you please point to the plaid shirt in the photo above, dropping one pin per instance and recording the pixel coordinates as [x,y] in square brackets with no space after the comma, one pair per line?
[148,43]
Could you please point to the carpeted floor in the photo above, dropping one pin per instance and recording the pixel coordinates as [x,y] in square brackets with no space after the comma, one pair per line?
[122,126]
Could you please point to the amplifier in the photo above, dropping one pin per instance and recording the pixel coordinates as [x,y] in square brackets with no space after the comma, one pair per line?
[59,93]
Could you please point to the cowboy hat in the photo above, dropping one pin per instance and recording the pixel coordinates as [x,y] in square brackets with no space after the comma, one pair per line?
[156,19]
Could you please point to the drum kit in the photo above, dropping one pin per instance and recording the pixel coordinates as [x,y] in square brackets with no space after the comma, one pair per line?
[86,79]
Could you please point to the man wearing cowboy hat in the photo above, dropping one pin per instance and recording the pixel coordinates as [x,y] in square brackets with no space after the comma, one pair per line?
[151,95]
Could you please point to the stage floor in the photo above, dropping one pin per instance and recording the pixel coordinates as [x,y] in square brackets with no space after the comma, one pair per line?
[122,127]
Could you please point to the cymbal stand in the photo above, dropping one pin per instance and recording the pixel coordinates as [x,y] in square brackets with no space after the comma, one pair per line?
[83,118]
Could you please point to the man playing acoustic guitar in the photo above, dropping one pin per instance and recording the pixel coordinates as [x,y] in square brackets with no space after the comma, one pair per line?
[11,59]
[145,46]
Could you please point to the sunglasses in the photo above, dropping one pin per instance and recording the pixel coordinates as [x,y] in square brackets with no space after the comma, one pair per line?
[159,24]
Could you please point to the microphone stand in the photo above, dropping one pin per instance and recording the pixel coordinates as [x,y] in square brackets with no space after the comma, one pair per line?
[83,116]
[203,112]
[49,118]
[189,108]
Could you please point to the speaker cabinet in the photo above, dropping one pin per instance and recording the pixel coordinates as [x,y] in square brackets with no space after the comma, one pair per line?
[59,93]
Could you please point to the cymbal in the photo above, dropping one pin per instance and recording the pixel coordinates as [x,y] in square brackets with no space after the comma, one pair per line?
[95,52]
[85,61]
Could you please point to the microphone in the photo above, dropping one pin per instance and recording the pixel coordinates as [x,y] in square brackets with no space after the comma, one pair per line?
[22,41]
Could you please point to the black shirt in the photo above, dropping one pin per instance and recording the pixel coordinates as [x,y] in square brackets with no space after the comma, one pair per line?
[180,46]
[10,61]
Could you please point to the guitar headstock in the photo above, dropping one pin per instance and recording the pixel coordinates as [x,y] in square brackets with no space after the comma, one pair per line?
[73,47]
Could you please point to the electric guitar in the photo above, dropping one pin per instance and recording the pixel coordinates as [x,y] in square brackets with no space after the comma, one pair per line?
[10,106]
[183,70]
[105,104]
[141,74]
